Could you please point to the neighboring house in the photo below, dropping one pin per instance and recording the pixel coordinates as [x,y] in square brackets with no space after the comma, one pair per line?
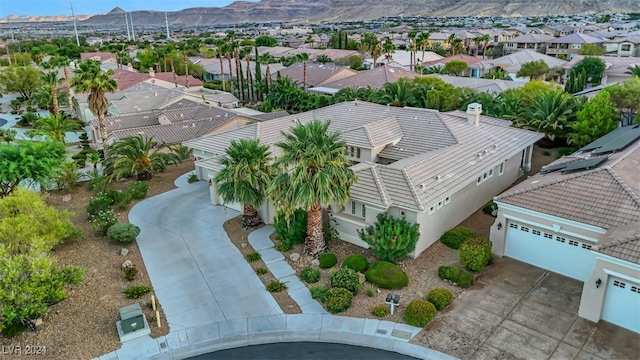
[513,62]
[336,55]
[212,69]
[536,42]
[374,78]
[280,51]
[569,46]
[461,57]
[98,56]
[402,59]
[492,86]
[628,45]
[615,67]
[580,217]
[317,74]
[432,168]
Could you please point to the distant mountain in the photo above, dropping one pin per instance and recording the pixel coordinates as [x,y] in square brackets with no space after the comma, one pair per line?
[39,18]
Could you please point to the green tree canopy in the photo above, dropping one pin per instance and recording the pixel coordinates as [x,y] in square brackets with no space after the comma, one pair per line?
[28,161]
[596,118]
[455,67]
[533,69]
[266,40]
[21,79]
[55,126]
[139,156]
[591,49]
[593,66]
[626,96]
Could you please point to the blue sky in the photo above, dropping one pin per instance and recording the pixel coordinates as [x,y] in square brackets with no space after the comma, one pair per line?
[62,7]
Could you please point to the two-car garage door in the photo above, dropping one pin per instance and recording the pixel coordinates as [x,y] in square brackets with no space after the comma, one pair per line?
[622,304]
[560,254]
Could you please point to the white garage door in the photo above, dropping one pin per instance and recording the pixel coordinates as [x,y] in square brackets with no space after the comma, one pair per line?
[622,304]
[559,254]
[234,206]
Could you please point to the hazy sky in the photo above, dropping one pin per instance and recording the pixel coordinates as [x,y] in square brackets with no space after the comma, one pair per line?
[62,7]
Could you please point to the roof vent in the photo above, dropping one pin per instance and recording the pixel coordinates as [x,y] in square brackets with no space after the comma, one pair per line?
[181,115]
[438,177]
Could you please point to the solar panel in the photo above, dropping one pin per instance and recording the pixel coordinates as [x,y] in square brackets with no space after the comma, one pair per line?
[552,168]
[622,141]
[585,164]
[603,140]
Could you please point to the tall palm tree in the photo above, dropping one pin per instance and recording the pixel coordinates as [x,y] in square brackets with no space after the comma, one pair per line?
[51,81]
[423,40]
[55,126]
[485,41]
[245,176]
[412,58]
[139,156]
[304,57]
[388,49]
[97,84]
[228,51]
[313,174]
[376,50]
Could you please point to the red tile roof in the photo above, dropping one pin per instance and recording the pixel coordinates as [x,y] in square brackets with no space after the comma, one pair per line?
[180,79]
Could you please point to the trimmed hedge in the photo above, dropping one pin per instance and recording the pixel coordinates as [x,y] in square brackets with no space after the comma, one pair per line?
[346,278]
[327,260]
[475,253]
[356,262]
[123,233]
[338,300]
[387,275]
[457,236]
[419,312]
[456,275]
[440,298]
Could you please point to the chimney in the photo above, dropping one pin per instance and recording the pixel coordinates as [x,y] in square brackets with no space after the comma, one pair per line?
[152,73]
[473,113]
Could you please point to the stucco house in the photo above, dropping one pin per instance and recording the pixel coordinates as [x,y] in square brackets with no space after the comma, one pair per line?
[513,62]
[580,217]
[432,168]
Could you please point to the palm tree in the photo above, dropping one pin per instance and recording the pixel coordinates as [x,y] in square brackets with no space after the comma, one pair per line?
[324,58]
[51,81]
[552,112]
[139,156]
[399,93]
[376,50]
[304,57]
[635,70]
[90,79]
[228,51]
[219,52]
[412,58]
[55,126]
[485,40]
[423,40]
[388,49]
[245,176]
[313,173]
[345,94]
[450,40]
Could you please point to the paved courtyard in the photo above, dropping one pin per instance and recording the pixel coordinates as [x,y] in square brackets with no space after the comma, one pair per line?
[518,311]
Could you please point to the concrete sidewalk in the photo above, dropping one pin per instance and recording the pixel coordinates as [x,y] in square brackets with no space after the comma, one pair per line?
[212,298]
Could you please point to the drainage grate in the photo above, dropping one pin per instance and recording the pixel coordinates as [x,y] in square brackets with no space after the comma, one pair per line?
[401,334]
[381,331]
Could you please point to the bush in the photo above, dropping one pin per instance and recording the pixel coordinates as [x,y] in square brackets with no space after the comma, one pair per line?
[261,271]
[123,233]
[546,152]
[475,253]
[490,208]
[356,262]
[456,275]
[138,190]
[327,260]
[282,247]
[346,278]
[100,203]
[130,272]
[276,286]
[103,220]
[319,292]
[136,292]
[440,298]
[387,275]
[391,238]
[380,311]
[419,312]
[370,290]
[338,300]
[292,231]
[456,236]
[254,256]
[192,178]
[121,199]
[310,275]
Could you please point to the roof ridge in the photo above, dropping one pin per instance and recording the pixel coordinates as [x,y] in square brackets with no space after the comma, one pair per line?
[624,155]
[623,185]
[614,242]
[412,188]
[379,184]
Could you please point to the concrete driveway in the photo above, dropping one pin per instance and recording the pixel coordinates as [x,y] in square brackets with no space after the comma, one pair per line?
[518,311]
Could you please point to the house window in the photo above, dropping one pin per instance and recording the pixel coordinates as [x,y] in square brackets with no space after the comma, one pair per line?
[635,289]
[586,246]
[619,284]
[358,153]
[484,176]
[440,204]
[490,172]
[625,47]
[574,243]
[561,239]
[576,46]
[447,200]
[364,211]
[548,236]
[402,213]
[536,232]
[524,228]
[432,210]
[479,180]
[353,207]
[501,171]
[513,226]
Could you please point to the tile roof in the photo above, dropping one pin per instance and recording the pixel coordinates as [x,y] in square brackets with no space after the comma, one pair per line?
[531,39]
[578,38]
[127,79]
[461,57]
[179,79]
[513,62]
[622,243]
[133,102]
[375,78]
[479,84]
[317,74]
[100,56]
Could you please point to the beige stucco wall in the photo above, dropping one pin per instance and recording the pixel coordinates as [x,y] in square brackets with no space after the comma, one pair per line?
[592,301]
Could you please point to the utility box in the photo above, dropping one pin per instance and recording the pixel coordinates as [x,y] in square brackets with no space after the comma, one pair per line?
[131,318]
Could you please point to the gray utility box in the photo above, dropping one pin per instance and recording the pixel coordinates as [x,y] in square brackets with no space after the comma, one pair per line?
[131,318]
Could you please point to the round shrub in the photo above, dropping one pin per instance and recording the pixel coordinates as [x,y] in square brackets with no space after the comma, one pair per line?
[419,312]
[327,260]
[103,220]
[387,275]
[475,253]
[456,275]
[338,300]
[319,292]
[310,275]
[456,236]
[138,190]
[356,262]
[346,278]
[380,311]
[440,298]
[100,203]
[123,233]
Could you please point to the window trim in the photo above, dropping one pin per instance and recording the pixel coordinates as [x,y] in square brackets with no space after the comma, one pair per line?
[364,211]
[501,169]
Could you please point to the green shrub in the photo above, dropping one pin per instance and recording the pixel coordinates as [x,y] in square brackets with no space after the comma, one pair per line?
[387,275]
[419,312]
[310,275]
[475,253]
[103,220]
[276,286]
[440,298]
[456,275]
[356,262]
[346,278]
[100,203]
[319,292]
[254,256]
[390,238]
[138,190]
[130,272]
[370,290]
[456,236]
[490,208]
[292,230]
[123,233]
[380,311]
[338,300]
[136,292]
[192,178]
[282,247]
[121,199]
[566,151]
[546,152]
[327,260]
[261,271]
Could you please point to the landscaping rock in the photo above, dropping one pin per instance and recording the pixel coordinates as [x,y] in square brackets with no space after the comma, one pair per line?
[315,263]
[294,257]
[127,264]
[124,252]
[65,198]
[38,322]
